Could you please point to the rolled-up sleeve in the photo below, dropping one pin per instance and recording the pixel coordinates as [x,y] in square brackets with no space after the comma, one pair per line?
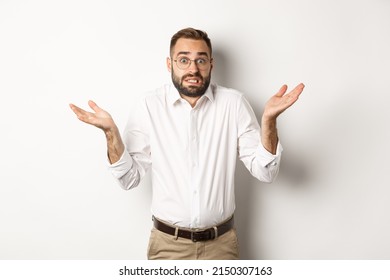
[122,166]
[261,163]
[136,159]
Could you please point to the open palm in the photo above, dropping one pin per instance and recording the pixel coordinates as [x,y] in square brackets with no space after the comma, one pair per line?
[278,103]
[98,118]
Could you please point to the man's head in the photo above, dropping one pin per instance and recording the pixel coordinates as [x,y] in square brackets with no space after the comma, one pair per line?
[191,62]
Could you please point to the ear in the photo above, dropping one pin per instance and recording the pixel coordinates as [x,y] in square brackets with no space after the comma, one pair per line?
[169,64]
[211,63]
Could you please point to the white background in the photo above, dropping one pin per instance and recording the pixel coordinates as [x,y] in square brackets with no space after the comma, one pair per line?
[332,197]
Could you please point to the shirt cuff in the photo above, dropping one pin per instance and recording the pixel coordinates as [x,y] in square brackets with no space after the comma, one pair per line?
[122,166]
[266,158]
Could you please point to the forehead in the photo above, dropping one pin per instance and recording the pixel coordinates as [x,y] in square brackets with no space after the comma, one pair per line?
[190,47]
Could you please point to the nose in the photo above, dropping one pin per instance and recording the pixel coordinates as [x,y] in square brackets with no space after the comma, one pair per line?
[193,68]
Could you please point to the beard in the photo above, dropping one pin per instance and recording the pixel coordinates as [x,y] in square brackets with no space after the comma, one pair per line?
[191,91]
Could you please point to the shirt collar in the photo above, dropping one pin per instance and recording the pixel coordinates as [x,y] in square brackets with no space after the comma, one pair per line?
[174,95]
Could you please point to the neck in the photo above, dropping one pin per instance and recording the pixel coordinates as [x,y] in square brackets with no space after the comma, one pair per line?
[191,100]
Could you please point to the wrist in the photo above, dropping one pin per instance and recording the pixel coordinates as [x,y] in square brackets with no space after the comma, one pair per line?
[268,121]
[110,132]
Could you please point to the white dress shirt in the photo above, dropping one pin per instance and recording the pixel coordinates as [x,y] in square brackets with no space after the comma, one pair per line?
[193,152]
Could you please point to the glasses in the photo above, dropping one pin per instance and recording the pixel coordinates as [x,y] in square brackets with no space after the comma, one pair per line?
[184,62]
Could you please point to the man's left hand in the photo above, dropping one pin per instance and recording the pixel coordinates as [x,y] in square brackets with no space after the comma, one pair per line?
[278,103]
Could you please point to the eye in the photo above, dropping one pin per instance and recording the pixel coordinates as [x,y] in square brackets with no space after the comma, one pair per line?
[183,60]
[201,61]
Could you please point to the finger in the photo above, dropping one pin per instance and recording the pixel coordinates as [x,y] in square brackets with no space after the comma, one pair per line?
[297,90]
[94,106]
[81,114]
[72,106]
[77,110]
[293,96]
[282,91]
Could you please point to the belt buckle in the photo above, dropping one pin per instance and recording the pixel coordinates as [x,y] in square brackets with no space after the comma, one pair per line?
[201,235]
[195,236]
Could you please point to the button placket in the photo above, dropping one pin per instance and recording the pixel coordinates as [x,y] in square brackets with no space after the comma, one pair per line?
[194,168]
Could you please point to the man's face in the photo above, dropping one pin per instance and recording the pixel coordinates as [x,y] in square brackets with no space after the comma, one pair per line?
[194,80]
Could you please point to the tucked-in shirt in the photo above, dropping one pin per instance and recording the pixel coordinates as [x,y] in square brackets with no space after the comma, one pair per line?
[192,153]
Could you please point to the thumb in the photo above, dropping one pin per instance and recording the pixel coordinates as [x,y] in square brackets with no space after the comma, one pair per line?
[282,91]
[94,106]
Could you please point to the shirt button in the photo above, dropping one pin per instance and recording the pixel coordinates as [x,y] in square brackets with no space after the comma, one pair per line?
[274,163]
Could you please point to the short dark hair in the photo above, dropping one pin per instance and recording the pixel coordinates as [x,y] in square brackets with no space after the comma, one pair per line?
[190,33]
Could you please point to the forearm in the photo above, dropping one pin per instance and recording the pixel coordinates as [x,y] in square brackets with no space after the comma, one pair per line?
[115,146]
[269,134]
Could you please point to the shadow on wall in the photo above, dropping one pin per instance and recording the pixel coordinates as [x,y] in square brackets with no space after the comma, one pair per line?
[251,214]
[249,211]
[220,74]
[245,184]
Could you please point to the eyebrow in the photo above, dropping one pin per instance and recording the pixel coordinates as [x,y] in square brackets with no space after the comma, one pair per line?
[198,53]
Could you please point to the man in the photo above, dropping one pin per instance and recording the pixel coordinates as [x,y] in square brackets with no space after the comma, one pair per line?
[192,132]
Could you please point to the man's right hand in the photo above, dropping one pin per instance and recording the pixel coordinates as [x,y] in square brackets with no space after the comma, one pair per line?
[99,118]
[104,121]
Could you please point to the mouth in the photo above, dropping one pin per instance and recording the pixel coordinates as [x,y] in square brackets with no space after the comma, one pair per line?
[193,81]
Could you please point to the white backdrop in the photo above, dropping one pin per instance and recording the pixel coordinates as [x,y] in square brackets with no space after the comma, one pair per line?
[332,197]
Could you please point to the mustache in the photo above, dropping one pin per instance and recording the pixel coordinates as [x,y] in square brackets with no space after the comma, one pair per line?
[196,75]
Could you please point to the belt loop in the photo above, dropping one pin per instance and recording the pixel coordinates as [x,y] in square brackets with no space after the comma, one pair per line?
[176,233]
[216,232]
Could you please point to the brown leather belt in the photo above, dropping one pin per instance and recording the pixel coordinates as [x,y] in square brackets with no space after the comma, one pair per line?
[195,236]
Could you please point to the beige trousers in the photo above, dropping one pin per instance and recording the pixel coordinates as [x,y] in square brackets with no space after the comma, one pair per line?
[163,246]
